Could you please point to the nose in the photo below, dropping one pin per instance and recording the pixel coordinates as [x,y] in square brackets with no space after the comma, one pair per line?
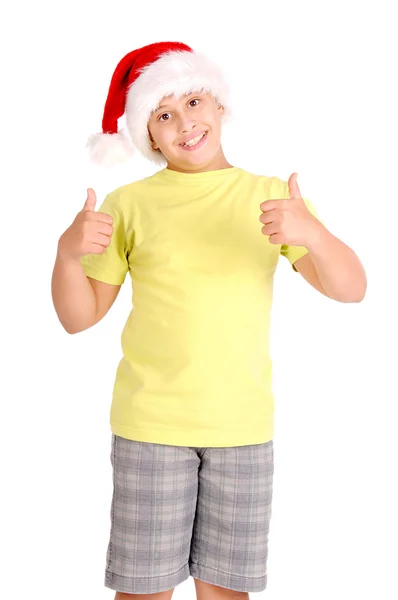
[185,124]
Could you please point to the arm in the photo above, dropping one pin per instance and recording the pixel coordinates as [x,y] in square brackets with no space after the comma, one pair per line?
[305,267]
[330,266]
[80,302]
[339,270]
[73,297]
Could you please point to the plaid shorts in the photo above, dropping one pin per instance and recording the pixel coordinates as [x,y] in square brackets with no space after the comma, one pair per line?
[182,511]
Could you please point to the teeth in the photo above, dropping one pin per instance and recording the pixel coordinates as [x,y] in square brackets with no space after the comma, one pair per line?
[194,141]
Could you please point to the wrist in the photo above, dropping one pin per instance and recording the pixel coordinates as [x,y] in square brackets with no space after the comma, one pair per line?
[316,237]
[65,256]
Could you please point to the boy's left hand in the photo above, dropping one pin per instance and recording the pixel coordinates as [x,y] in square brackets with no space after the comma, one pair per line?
[288,221]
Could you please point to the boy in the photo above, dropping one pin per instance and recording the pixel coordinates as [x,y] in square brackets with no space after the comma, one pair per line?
[192,410]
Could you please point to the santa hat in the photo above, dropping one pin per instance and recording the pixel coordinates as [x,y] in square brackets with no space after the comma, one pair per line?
[140,81]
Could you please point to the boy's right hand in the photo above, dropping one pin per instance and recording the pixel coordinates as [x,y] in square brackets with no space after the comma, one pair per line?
[90,232]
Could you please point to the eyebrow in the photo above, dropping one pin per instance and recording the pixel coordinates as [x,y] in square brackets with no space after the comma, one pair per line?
[161,106]
[186,95]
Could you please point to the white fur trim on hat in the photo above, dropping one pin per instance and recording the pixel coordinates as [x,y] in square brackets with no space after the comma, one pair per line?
[108,149]
[178,73]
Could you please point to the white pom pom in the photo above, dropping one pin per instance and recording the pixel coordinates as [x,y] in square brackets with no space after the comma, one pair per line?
[108,149]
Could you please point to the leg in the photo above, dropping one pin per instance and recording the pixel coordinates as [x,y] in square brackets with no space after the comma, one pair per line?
[229,546]
[152,514]
[208,591]
[159,596]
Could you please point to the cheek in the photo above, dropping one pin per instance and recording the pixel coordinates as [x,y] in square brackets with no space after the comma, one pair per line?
[157,136]
[165,140]
[216,127]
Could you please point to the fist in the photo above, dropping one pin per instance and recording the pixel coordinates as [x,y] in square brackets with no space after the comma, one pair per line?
[90,232]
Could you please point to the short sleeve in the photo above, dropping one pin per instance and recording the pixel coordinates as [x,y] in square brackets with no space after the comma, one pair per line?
[112,265]
[293,253]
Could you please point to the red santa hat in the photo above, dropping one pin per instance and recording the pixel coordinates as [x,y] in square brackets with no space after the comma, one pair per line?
[140,81]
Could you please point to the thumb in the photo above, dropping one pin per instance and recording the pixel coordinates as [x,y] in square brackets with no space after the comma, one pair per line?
[91,200]
[294,190]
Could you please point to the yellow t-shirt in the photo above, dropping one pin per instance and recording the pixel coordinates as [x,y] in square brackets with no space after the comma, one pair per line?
[196,369]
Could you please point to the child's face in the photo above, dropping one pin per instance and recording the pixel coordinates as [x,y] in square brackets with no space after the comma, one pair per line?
[178,118]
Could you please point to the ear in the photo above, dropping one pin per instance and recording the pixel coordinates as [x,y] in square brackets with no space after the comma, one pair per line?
[153,143]
[220,108]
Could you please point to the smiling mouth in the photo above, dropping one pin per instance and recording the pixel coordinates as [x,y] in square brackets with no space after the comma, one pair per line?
[195,142]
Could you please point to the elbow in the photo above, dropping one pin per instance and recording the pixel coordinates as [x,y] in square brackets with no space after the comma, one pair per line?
[351,299]
[359,297]
[354,295]
[73,330]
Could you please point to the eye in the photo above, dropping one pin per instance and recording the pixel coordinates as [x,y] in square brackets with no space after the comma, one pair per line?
[160,118]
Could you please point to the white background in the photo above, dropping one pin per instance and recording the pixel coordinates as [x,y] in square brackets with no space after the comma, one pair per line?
[315,93]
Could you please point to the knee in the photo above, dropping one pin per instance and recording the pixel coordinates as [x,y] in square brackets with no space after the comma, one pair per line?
[205,590]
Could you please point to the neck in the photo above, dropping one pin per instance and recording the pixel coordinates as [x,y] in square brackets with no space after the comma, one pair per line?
[218,162]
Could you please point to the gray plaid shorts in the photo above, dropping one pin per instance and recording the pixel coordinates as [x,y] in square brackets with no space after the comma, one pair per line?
[182,511]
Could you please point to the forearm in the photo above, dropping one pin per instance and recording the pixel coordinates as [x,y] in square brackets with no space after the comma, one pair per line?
[73,297]
[339,269]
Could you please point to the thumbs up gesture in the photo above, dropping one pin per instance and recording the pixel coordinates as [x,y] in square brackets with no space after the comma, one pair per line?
[288,221]
[91,201]
[90,232]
